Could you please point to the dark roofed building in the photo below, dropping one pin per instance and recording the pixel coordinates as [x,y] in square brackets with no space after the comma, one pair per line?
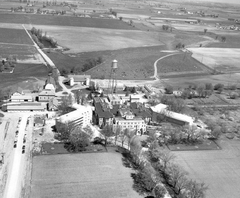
[103,115]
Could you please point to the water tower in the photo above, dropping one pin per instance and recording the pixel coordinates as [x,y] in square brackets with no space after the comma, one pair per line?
[112,80]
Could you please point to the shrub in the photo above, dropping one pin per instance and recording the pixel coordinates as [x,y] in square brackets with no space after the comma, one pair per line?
[169,90]
[218,86]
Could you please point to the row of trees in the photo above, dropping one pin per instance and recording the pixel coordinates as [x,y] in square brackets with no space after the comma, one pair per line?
[156,167]
[89,63]
[40,39]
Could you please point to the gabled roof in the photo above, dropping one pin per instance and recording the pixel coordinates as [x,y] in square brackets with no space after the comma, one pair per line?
[47,92]
[50,80]
[79,78]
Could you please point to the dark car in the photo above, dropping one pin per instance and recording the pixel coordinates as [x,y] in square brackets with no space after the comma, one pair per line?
[17,132]
[23,147]
[15,145]
[24,140]
[23,151]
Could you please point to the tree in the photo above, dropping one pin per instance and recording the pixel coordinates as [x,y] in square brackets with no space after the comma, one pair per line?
[129,134]
[78,96]
[174,104]
[169,89]
[177,178]
[64,130]
[223,38]
[205,31]
[195,190]
[219,87]
[120,18]
[78,141]
[107,132]
[117,133]
[66,104]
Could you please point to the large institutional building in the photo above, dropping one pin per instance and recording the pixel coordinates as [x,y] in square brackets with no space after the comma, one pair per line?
[80,117]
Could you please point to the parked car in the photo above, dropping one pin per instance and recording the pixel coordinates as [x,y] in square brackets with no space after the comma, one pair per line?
[15,144]
[17,132]
[23,151]
[23,147]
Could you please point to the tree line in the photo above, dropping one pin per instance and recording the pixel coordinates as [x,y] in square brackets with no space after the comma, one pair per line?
[157,174]
[40,39]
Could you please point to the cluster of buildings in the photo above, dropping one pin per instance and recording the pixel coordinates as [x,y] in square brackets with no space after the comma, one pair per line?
[22,101]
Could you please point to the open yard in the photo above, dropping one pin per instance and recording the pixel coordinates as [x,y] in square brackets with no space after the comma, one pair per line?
[36,19]
[82,39]
[219,169]
[93,175]
[221,59]
[14,36]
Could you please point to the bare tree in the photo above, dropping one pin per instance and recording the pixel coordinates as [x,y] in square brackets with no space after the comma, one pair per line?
[117,133]
[107,132]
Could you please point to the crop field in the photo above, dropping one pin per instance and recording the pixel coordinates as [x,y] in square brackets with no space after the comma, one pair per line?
[185,80]
[35,19]
[94,175]
[222,59]
[218,169]
[98,39]
[15,36]
[180,63]
[23,72]
[24,53]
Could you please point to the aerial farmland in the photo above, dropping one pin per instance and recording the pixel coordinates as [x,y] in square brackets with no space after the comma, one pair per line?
[181,51]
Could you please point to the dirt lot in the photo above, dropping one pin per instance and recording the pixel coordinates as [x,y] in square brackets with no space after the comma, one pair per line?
[218,169]
[81,39]
[222,59]
[94,175]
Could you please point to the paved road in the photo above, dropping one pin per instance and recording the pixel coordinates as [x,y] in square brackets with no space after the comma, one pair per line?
[13,186]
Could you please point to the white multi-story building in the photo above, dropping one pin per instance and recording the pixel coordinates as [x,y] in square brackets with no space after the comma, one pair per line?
[82,116]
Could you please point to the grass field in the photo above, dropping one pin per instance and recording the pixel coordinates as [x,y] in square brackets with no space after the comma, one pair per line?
[219,169]
[133,63]
[23,72]
[95,175]
[36,19]
[222,59]
[180,63]
[15,36]
[82,39]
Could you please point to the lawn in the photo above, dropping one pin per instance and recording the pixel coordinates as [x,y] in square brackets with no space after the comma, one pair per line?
[85,39]
[88,175]
[180,63]
[36,19]
[14,36]
[23,72]
[218,169]
[222,59]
